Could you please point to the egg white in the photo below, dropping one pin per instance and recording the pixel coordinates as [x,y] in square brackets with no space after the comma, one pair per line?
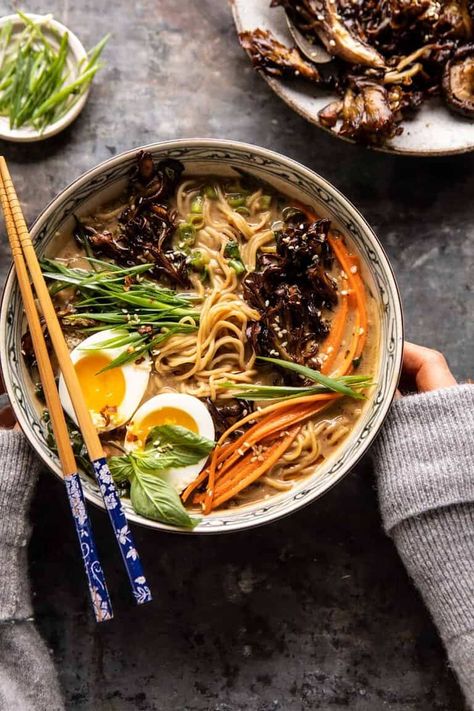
[180,477]
[136,376]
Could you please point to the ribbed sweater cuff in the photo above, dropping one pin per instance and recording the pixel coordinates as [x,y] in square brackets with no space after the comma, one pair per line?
[437,549]
[17,481]
[424,454]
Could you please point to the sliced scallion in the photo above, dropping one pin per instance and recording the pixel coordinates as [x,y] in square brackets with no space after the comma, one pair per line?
[334,384]
[197,204]
[36,88]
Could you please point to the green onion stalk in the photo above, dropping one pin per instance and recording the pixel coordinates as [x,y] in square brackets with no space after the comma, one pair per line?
[348,385]
[36,86]
[124,300]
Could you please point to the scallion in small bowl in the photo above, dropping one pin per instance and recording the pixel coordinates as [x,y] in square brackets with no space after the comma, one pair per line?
[45,76]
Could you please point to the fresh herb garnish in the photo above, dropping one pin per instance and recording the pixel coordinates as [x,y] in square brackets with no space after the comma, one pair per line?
[154,498]
[166,447]
[338,385]
[350,385]
[35,84]
[120,298]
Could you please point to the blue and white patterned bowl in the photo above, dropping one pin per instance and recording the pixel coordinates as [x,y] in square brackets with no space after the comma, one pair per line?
[217,157]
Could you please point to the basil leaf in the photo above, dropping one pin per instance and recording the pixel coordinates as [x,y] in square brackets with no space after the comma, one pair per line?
[154,498]
[170,446]
[176,435]
[121,468]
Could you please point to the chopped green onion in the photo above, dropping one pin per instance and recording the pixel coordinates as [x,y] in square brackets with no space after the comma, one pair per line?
[198,260]
[264,202]
[236,199]
[237,266]
[186,234]
[197,221]
[120,298]
[204,276]
[232,250]
[242,210]
[210,192]
[197,204]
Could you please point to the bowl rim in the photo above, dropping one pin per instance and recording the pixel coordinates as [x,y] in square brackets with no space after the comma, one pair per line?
[76,51]
[296,504]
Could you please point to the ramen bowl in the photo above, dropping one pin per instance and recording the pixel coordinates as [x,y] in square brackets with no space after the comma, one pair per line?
[221,158]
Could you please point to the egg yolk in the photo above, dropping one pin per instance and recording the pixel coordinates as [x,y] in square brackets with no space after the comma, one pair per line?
[100,390]
[164,416]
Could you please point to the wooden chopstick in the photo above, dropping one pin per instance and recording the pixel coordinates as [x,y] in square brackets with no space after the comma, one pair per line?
[98,592]
[107,487]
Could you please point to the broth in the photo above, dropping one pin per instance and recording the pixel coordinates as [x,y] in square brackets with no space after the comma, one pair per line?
[219,355]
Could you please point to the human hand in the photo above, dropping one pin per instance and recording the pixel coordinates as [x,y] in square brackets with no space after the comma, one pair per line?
[423,370]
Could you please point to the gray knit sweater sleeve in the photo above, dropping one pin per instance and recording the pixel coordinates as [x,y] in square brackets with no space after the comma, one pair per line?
[27,677]
[424,463]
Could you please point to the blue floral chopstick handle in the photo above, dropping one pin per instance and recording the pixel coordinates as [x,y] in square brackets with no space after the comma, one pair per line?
[112,502]
[98,592]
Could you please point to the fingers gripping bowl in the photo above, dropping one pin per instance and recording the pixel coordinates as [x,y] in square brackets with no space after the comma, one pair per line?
[275,263]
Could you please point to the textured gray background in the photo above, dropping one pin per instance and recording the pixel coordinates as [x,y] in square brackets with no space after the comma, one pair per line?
[313,612]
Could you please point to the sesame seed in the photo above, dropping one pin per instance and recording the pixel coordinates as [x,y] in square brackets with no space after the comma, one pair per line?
[354,269]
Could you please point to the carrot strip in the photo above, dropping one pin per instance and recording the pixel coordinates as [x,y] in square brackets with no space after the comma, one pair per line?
[272,408]
[357,286]
[269,426]
[332,343]
[251,474]
[201,478]
[262,430]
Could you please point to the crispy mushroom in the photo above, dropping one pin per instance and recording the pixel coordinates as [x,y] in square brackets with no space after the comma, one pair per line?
[458,81]
[367,114]
[322,18]
[274,58]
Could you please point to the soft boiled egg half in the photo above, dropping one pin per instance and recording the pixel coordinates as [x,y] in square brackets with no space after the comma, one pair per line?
[113,395]
[172,409]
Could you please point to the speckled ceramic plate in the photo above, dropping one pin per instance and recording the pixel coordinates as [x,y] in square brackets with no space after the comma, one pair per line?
[433,131]
[217,157]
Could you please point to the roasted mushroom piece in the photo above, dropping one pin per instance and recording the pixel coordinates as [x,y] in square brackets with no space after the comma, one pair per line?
[291,290]
[274,58]
[368,112]
[458,81]
[322,17]
[145,228]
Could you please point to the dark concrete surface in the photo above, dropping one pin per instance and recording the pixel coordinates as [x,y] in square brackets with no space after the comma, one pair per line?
[313,612]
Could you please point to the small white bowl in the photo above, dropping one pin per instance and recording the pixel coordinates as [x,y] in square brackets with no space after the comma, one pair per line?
[75,55]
